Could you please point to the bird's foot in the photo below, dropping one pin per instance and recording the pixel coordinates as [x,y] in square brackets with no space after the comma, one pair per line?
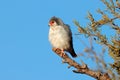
[62,50]
[59,51]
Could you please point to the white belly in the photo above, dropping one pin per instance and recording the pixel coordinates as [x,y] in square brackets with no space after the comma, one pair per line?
[59,38]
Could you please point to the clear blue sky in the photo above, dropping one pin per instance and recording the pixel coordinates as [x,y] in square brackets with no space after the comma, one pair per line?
[25,52]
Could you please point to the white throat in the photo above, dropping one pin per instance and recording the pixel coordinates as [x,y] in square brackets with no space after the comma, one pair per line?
[59,37]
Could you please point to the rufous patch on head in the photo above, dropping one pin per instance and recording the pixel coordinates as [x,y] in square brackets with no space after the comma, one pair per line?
[51,22]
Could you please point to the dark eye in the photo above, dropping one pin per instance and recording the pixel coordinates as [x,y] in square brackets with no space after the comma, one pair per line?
[52,22]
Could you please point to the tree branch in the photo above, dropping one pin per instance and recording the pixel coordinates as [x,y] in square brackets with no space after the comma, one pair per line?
[83,69]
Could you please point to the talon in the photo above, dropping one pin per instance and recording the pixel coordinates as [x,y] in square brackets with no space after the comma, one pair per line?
[62,50]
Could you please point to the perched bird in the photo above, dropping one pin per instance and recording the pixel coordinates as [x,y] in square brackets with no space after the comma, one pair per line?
[60,36]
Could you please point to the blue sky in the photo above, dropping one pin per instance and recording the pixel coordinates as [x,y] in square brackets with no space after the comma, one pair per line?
[25,52]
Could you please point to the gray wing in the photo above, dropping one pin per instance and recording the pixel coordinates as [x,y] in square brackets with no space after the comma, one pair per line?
[71,50]
[67,28]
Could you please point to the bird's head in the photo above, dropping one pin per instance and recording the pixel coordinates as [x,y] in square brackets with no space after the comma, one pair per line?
[54,21]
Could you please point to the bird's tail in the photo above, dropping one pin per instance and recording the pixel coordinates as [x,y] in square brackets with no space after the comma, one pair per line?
[72,52]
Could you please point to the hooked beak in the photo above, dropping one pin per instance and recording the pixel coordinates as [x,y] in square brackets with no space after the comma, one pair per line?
[49,25]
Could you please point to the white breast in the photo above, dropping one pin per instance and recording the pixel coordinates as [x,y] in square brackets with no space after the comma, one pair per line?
[59,37]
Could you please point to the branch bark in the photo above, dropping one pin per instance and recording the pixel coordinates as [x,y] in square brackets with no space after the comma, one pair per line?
[83,69]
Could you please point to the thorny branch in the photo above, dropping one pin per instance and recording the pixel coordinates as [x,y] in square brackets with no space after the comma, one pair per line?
[83,69]
[110,17]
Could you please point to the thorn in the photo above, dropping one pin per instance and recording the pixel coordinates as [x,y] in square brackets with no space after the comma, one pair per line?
[76,71]
[69,66]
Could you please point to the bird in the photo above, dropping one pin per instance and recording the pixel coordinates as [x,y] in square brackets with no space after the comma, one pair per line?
[60,36]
